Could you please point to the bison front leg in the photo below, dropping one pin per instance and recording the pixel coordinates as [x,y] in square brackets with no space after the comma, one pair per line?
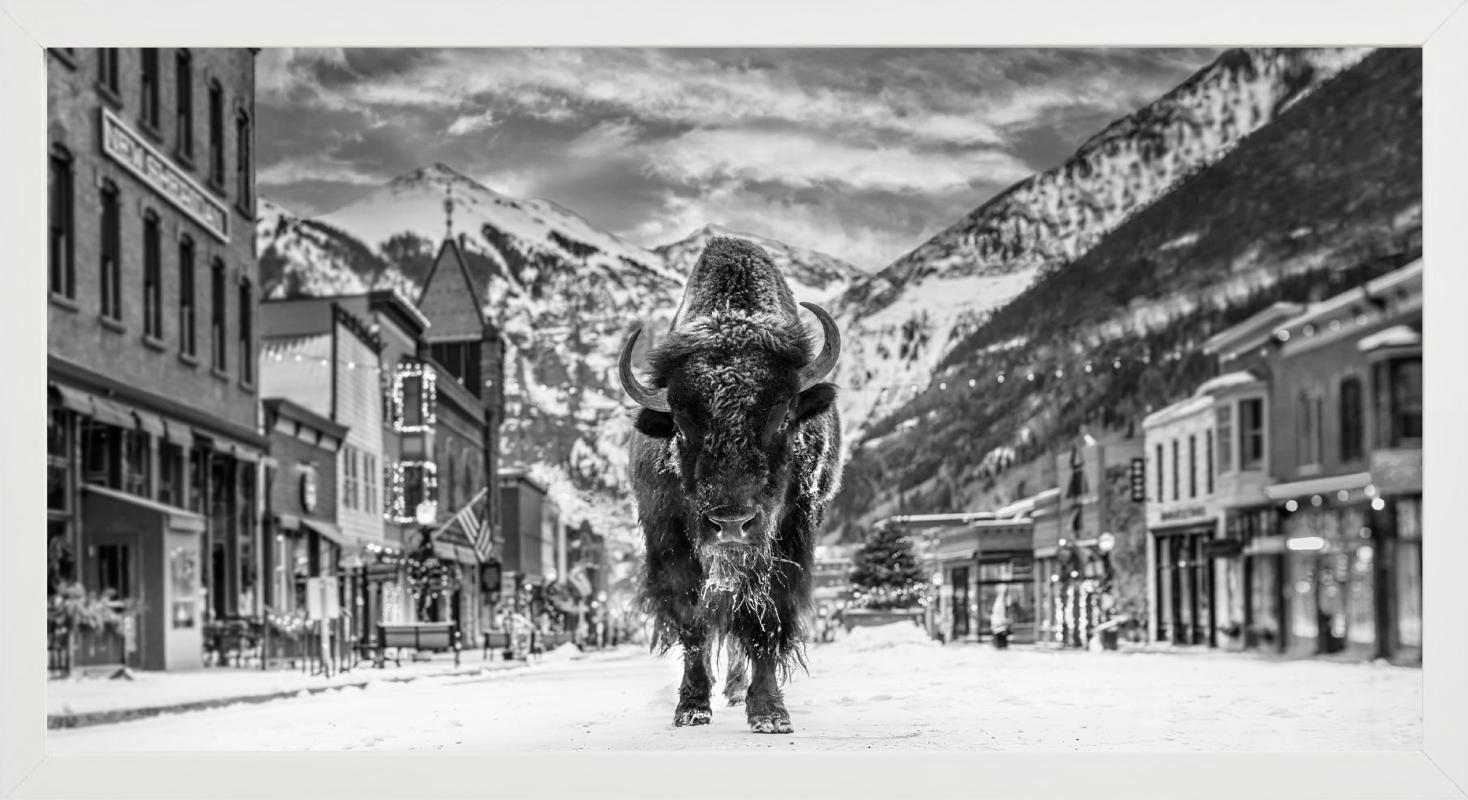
[698,684]
[736,683]
[765,706]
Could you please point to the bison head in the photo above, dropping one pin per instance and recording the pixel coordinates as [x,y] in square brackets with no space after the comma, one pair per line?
[732,385]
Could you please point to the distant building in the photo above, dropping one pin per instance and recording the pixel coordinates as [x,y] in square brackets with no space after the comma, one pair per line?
[534,538]
[304,540]
[1332,551]
[153,450]
[326,360]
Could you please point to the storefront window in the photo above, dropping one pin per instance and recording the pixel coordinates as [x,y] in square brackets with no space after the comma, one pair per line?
[1264,622]
[1303,610]
[183,577]
[171,474]
[1408,578]
[1361,606]
[246,537]
[101,454]
[136,478]
[1225,438]
[58,461]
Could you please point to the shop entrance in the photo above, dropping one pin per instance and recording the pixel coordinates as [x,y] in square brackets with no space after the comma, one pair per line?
[959,581]
[1184,586]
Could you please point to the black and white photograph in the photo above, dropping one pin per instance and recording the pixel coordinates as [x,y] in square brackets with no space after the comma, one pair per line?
[736,399]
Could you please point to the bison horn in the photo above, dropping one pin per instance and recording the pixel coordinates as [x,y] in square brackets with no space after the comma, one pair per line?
[817,370]
[655,400]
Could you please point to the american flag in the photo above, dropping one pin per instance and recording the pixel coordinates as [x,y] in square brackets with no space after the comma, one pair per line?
[470,524]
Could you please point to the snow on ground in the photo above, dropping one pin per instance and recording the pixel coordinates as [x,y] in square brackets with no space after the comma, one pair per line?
[888,690]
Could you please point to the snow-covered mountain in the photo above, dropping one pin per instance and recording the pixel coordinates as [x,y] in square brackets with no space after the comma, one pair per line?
[904,319]
[814,277]
[564,293]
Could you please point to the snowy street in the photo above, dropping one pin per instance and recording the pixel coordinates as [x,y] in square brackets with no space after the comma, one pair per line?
[878,689]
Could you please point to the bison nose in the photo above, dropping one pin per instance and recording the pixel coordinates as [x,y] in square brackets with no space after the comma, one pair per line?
[731,523]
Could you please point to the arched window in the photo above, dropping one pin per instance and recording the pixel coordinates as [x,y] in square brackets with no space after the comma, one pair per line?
[187,339]
[152,276]
[183,102]
[243,171]
[61,250]
[111,252]
[148,101]
[216,135]
[218,344]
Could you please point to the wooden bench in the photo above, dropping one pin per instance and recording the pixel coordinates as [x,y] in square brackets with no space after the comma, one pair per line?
[498,640]
[434,637]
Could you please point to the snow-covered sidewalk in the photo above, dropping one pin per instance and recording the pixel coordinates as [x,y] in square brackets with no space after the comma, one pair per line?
[93,700]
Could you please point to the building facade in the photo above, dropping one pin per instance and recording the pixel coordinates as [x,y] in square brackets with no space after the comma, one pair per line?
[533,540]
[153,451]
[1319,423]
[304,540]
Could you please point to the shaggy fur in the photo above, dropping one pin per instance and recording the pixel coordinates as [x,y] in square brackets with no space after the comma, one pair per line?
[740,433]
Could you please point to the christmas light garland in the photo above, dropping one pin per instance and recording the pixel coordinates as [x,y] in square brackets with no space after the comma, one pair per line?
[427,397]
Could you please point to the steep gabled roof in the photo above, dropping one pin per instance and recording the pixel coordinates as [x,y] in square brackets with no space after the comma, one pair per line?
[450,295]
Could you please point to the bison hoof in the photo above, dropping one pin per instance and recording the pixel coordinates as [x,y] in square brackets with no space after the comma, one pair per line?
[692,716]
[735,696]
[770,723]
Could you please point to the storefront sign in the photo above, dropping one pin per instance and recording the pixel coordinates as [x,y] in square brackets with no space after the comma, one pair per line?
[1139,480]
[1190,512]
[128,149]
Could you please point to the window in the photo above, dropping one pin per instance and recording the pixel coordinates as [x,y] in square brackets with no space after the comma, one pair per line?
[1308,430]
[1176,474]
[244,197]
[60,251]
[1225,415]
[111,252]
[412,400]
[1208,459]
[107,69]
[101,454]
[136,462]
[216,134]
[461,359]
[187,339]
[172,476]
[183,91]
[58,460]
[370,472]
[216,315]
[246,345]
[152,277]
[1192,465]
[1399,402]
[149,101]
[1160,495]
[349,477]
[1251,434]
[1352,424]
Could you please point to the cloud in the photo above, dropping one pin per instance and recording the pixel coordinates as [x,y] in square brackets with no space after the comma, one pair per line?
[801,159]
[471,123]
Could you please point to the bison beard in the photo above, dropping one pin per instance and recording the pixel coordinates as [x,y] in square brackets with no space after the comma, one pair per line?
[734,459]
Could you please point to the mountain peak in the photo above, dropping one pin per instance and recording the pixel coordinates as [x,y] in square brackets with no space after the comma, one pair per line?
[437,174]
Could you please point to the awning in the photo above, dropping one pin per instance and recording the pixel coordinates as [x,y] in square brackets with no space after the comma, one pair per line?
[73,399]
[243,453]
[150,423]
[327,530]
[1331,485]
[178,519]
[112,413]
[178,433]
[1395,336]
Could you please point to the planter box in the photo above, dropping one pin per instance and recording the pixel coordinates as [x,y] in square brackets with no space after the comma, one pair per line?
[866,618]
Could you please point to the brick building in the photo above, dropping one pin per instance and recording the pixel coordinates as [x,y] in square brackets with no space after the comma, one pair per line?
[153,447]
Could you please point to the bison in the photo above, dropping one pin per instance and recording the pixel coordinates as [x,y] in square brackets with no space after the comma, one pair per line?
[734,458]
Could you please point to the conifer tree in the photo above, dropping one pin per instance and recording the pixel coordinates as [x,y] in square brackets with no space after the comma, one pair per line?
[887,573]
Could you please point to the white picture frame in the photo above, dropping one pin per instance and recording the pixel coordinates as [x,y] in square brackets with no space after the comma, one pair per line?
[1439,770]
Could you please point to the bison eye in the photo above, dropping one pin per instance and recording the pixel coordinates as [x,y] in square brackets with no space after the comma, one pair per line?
[778,417]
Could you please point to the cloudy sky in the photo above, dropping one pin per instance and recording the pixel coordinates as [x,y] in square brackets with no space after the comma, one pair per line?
[862,154]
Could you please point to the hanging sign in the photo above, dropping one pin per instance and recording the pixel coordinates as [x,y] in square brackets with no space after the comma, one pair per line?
[1139,480]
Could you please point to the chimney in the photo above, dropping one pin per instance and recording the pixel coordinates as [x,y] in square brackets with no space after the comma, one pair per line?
[462,249]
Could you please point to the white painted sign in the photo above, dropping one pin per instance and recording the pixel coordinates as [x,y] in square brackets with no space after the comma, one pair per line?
[131,151]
